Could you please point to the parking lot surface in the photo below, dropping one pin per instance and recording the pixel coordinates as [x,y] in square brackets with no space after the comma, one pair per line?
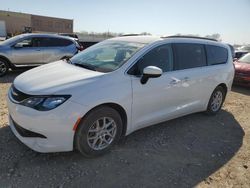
[195,150]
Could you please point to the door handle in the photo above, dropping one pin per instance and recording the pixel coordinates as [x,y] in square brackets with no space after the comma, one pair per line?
[175,81]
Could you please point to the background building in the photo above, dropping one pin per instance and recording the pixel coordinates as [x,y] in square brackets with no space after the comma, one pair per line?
[17,23]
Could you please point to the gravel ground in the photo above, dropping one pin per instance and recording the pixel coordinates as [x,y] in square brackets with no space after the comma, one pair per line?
[195,150]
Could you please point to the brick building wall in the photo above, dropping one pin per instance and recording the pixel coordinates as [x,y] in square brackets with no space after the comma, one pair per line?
[16,23]
[50,24]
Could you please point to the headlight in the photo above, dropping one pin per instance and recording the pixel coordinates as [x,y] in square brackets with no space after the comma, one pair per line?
[45,103]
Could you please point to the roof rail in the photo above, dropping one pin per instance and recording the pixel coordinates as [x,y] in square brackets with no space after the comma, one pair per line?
[132,34]
[192,37]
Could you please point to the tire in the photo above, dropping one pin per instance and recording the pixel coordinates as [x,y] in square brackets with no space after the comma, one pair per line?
[216,101]
[91,133]
[4,67]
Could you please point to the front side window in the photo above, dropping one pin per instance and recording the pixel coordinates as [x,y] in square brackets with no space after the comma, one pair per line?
[189,56]
[106,56]
[25,43]
[216,55]
[160,57]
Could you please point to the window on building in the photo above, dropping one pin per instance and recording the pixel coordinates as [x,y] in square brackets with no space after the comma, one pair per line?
[59,25]
[50,24]
[68,25]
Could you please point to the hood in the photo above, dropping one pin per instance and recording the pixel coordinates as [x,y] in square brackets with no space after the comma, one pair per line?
[242,67]
[53,77]
[2,46]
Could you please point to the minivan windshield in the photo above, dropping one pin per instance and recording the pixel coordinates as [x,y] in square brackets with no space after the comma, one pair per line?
[245,59]
[106,56]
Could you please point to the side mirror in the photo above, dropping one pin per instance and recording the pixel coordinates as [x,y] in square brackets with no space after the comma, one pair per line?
[150,72]
[18,45]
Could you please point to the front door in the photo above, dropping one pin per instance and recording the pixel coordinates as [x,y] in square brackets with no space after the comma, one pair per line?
[27,51]
[180,90]
[156,100]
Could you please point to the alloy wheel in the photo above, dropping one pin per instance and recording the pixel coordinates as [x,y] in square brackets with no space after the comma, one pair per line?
[101,133]
[3,68]
[216,101]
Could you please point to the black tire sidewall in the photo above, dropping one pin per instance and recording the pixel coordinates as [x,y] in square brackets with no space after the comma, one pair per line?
[81,143]
[209,109]
[7,67]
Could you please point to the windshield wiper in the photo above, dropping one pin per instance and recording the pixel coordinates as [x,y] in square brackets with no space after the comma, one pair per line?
[86,66]
[68,61]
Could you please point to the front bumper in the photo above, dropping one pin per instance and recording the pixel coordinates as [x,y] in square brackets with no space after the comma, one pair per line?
[50,131]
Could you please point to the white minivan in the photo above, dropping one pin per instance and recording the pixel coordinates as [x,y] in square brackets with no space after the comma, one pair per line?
[116,87]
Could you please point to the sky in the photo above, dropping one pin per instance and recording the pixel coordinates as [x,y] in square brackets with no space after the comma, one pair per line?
[229,18]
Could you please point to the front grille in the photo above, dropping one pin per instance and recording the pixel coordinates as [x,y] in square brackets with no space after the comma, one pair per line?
[18,95]
[24,132]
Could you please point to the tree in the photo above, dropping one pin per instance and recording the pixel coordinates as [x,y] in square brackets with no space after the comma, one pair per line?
[215,36]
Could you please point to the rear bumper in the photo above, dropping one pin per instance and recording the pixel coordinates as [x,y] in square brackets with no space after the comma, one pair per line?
[242,80]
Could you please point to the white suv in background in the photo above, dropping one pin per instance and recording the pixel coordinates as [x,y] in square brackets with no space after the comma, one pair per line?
[116,87]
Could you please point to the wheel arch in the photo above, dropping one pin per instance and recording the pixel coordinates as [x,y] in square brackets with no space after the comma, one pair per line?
[7,60]
[116,107]
[224,86]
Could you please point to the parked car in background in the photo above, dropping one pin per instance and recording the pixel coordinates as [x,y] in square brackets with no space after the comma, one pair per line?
[86,44]
[242,71]
[116,87]
[244,48]
[72,35]
[239,54]
[35,49]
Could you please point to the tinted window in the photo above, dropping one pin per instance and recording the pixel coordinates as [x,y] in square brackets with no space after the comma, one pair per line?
[37,42]
[189,56]
[160,57]
[25,43]
[55,42]
[216,55]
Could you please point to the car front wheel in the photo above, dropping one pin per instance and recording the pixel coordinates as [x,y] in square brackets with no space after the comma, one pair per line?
[4,67]
[98,131]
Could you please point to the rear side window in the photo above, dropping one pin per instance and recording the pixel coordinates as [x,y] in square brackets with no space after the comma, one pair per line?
[189,56]
[55,42]
[216,55]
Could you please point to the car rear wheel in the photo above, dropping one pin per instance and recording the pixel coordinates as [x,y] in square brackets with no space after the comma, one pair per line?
[4,67]
[98,131]
[216,100]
